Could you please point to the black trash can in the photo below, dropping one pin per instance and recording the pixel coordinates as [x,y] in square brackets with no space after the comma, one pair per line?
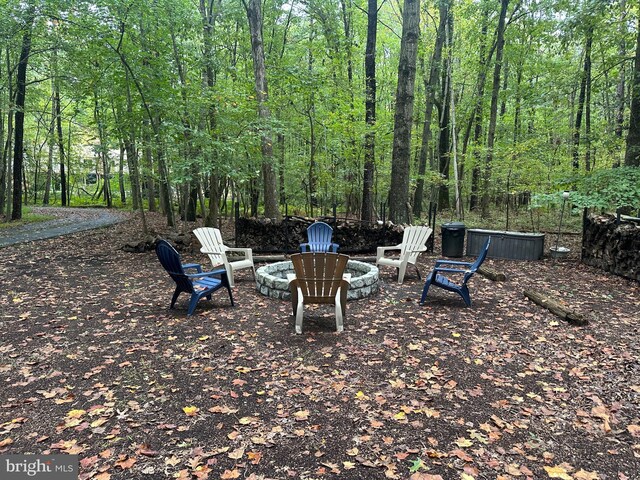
[453,239]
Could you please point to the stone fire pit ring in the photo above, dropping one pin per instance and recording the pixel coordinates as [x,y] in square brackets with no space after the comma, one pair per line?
[271,280]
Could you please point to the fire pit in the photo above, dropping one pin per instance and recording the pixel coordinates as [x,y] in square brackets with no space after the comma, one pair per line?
[271,280]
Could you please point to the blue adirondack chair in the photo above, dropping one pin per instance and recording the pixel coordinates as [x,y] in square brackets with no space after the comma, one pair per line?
[467,269]
[201,284]
[319,239]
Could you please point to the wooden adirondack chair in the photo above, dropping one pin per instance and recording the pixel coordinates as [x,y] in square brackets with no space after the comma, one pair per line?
[319,278]
[319,239]
[201,284]
[448,266]
[414,242]
[214,247]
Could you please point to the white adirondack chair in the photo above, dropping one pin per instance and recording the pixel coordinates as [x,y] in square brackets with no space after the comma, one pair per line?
[414,242]
[213,246]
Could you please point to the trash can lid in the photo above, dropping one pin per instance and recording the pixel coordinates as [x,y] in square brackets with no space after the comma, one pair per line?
[453,226]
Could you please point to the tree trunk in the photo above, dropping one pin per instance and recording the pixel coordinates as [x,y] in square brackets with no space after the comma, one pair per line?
[63,175]
[51,143]
[18,152]
[478,114]
[254,15]
[366,212]
[632,154]
[493,112]
[621,87]
[5,163]
[123,193]
[208,116]
[403,118]
[150,184]
[444,139]
[430,86]
[104,149]
[581,98]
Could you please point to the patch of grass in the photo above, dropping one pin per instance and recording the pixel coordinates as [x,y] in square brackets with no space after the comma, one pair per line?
[27,217]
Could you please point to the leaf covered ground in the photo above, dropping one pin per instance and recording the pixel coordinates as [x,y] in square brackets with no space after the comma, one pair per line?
[92,362]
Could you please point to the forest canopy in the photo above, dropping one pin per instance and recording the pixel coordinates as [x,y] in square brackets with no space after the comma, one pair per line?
[313,105]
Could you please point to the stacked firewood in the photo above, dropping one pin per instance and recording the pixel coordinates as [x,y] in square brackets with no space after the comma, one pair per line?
[611,246]
[268,236]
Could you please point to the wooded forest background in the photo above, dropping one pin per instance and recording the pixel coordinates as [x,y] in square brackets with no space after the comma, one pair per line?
[318,104]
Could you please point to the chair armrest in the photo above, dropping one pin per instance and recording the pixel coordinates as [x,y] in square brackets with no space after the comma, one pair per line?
[220,271]
[346,278]
[291,277]
[381,250]
[452,262]
[197,266]
[304,247]
[449,270]
[334,247]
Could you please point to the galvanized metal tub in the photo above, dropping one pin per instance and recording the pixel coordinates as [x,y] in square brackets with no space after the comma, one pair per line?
[509,245]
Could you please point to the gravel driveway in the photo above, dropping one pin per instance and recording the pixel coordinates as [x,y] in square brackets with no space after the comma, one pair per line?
[66,221]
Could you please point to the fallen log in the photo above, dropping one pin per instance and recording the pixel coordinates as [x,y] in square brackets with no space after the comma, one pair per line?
[555,307]
[492,274]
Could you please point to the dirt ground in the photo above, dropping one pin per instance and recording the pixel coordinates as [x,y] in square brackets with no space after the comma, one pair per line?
[93,363]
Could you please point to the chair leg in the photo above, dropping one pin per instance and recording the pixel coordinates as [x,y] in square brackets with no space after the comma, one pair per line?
[230,276]
[401,271]
[192,303]
[294,299]
[464,293]
[425,290]
[299,314]
[230,295]
[175,297]
[417,272]
[339,319]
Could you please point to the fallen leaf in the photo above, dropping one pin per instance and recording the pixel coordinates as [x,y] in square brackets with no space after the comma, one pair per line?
[557,472]
[191,411]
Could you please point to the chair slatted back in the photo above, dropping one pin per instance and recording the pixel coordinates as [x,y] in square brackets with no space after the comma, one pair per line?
[319,275]
[413,239]
[170,260]
[474,267]
[319,237]
[212,243]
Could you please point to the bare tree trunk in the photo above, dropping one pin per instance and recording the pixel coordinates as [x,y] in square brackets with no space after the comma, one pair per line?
[632,154]
[403,118]
[478,113]
[254,15]
[366,212]
[444,141]
[61,155]
[493,112]
[581,98]
[104,149]
[621,87]
[150,183]
[430,86]
[5,162]
[18,152]
[123,193]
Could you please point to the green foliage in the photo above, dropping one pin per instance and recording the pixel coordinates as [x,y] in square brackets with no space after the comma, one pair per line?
[609,189]
[605,189]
